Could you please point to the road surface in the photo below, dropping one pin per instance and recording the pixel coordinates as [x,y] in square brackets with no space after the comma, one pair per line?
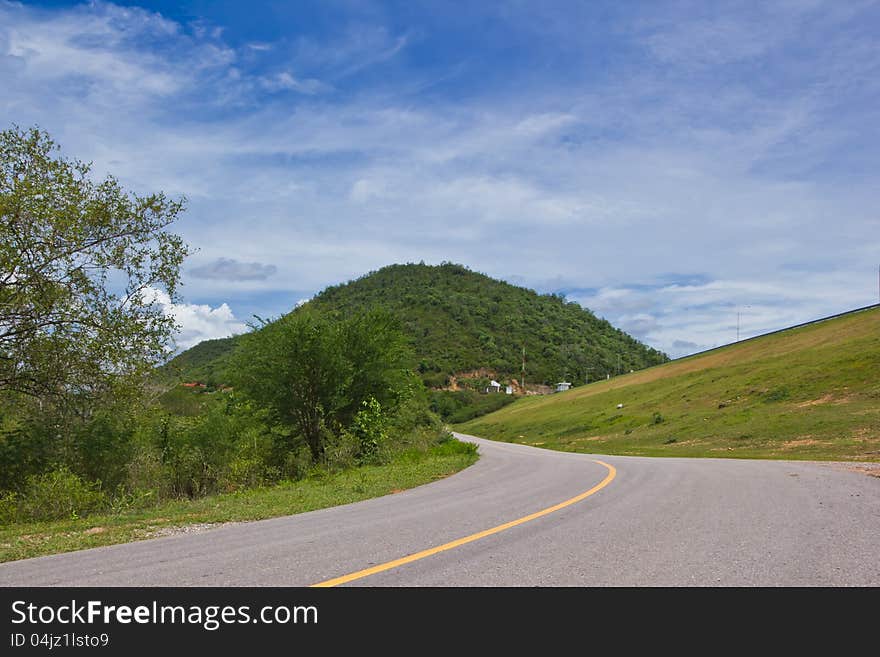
[532,517]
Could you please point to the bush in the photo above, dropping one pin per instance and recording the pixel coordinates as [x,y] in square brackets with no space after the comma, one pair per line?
[777,395]
[369,430]
[463,405]
[445,436]
[8,508]
[59,494]
[190,472]
[27,446]
[146,476]
[247,472]
[435,379]
[297,463]
[341,450]
[454,446]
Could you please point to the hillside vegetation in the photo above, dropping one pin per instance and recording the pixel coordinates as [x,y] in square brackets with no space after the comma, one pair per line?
[464,329]
[459,321]
[205,362]
[806,393]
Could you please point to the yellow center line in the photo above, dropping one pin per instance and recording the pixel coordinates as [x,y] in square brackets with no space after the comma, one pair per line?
[366,572]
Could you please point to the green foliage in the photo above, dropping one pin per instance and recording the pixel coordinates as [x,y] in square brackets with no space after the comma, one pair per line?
[313,373]
[81,265]
[206,362]
[58,494]
[179,400]
[777,395]
[101,448]
[457,320]
[8,507]
[369,428]
[451,321]
[453,446]
[317,391]
[36,437]
[463,405]
[26,448]
[226,448]
[405,469]
[66,332]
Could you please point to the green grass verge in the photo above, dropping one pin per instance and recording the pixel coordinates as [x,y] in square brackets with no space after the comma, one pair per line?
[808,393]
[406,470]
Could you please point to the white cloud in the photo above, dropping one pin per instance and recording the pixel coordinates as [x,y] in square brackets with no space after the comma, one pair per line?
[286,81]
[365,189]
[648,169]
[201,322]
[101,49]
[197,322]
[714,313]
[541,124]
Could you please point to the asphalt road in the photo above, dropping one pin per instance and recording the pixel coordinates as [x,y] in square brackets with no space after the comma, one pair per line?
[657,522]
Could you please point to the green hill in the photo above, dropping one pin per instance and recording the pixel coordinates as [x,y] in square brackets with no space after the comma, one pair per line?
[205,362]
[460,321]
[808,393]
[464,323]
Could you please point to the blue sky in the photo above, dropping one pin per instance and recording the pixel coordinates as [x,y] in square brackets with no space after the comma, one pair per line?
[677,167]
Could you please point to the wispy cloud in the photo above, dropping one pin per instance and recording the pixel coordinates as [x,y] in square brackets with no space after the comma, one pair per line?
[358,48]
[285,80]
[723,144]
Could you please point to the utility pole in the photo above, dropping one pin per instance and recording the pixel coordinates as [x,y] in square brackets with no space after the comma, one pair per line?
[523,377]
[738,312]
[618,364]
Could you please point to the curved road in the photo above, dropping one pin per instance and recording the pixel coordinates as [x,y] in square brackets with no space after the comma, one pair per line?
[656,522]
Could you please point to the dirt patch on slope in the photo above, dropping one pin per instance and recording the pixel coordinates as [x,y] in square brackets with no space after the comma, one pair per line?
[806,441]
[824,399]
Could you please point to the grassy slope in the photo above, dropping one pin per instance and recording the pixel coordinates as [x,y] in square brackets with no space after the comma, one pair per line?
[407,470]
[807,393]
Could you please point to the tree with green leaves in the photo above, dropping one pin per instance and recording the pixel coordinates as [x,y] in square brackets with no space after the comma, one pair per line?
[316,373]
[80,266]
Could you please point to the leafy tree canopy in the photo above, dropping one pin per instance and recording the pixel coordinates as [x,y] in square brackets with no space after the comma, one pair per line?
[80,264]
[316,373]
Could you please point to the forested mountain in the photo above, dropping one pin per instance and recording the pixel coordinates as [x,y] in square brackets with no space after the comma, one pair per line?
[461,322]
[204,362]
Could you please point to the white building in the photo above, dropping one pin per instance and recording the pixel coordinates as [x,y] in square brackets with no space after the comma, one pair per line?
[494,386]
[562,386]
